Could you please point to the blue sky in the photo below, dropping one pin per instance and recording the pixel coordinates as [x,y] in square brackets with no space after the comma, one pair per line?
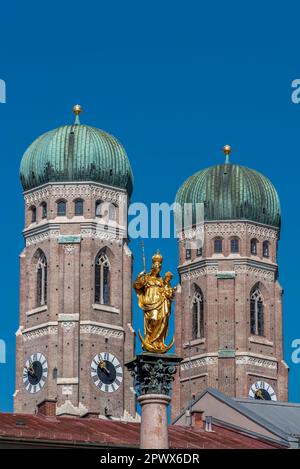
[174,81]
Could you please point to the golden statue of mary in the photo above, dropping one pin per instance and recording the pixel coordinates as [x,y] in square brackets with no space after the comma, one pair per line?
[155,296]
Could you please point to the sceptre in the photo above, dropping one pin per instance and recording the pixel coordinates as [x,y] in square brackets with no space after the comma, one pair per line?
[143,256]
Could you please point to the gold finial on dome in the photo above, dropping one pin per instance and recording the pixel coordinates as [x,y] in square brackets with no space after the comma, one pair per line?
[77,109]
[227,151]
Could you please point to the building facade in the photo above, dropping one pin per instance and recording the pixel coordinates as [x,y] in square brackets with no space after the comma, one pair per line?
[228,315]
[75,329]
[75,332]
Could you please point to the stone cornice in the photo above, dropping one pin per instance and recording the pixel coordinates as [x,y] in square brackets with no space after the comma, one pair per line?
[231,228]
[210,265]
[41,330]
[71,190]
[196,361]
[248,261]
[98,328]
[265,271]
[94,229]
[88,229]
[199,362]
[41,233]
[261,361]
[242,358]
[68,322]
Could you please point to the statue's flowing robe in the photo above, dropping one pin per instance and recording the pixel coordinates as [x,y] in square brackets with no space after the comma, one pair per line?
[154,301]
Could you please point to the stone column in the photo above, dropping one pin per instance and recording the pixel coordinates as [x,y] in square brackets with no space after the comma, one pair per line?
[153,375]
[154,422]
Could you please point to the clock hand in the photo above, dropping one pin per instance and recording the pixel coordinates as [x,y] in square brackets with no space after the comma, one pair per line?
[30,368]
[103,366]
[260,394]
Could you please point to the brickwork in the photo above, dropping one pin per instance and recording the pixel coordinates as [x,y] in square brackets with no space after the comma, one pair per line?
[229,357]
[71,329]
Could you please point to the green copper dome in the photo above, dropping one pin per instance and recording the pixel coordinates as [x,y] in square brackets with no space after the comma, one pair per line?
[232,192]
[76,153]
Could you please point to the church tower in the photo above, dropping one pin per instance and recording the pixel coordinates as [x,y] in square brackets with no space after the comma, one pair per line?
[75,329]
[228,317]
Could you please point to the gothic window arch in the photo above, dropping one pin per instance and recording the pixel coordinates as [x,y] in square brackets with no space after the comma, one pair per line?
[188,254]
[33,213]
[198,315]
[44,210]
[266,249]
[61,208]
[257,312]
[218,245]
[112,212]
[78,207]
[234,245]
[253,246]
[98,208]
[199,251]
[102,278]
[41,280]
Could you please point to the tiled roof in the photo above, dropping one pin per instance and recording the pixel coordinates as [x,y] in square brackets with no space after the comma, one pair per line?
[46,431]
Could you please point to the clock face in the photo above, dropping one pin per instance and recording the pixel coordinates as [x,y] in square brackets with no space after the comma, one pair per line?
[263,391]
[106,372]
[35,372]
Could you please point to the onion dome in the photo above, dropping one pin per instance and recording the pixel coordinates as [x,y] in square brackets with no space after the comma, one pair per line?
[76,153]
[231,192]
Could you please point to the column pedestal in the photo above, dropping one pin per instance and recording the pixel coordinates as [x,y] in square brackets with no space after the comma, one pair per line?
[153,375]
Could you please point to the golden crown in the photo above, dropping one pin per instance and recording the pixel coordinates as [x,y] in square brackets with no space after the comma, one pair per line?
[157,257]
[169,274]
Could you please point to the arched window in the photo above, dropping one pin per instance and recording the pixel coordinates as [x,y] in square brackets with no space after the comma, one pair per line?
[198,317]
[98,208]
[112,212]
[234,245]
[257,312]
[44,209]
[188,254]
[266,249]
[33,214]
[102,279]
[199,252]
[61,208]
[78,207]
[41,277]
[218,245]
[253,247]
